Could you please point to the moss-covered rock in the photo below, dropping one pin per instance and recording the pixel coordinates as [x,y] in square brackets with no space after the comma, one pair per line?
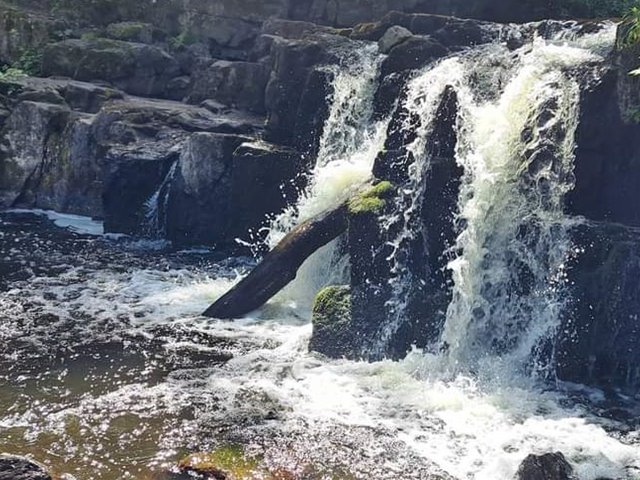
[227,462]
[332,322]
[131,32]
[372,200]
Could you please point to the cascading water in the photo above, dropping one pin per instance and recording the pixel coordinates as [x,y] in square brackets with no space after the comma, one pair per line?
[517,152]
[156,206]
[348,146]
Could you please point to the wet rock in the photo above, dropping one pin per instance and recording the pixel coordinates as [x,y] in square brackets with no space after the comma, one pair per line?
[550,466]
[13,467]
[236,84]
[599,338]
[331,318]
[296,93]
[136,68]
[198,206]
[394,36]
[265,179]
[415,52]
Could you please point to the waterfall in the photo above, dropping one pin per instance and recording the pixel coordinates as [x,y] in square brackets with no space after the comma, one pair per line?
[155,208]
[349,144]
[517,152]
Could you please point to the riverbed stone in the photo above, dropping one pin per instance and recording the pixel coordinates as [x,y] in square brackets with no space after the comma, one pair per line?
[550,466]
[13,467]
[413,53]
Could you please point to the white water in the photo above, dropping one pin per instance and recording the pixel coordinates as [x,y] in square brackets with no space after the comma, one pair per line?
[348,147]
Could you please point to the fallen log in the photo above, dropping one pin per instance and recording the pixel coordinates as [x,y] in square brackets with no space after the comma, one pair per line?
[280,266]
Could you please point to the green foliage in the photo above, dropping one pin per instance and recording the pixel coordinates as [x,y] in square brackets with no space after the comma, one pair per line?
[30,62]
[184,39]
[597,8]
[11,74]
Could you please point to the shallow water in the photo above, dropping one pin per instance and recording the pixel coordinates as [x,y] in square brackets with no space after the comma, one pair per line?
[107,371]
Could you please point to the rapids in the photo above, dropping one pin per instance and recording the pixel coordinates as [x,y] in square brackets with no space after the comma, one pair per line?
[108,371]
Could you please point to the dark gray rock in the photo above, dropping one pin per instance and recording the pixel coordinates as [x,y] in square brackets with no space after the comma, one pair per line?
[198,206]
[136,68]
[550,466]
[265,179]
[600,334]
[415,52]
[13,467]
[296,84]
[393,37]
[27,133]
[236,84]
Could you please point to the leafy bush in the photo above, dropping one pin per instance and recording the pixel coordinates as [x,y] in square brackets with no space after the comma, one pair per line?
[598,8]
[30,62]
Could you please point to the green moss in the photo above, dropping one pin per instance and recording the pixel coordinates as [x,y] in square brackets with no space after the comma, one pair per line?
[372,200]
[229,459]
[331,305]
[130,31]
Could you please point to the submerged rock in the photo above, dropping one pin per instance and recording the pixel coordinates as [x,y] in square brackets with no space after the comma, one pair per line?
[13,467]
[550,466]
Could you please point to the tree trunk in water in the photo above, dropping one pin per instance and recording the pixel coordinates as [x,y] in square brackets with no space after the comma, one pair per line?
[280,266]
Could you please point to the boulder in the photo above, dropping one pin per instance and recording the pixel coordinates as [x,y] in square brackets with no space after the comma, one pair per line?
[13,467]
[236,84]
[27,132]
[393,37]
[599,336]
[415,52]
[295,87]
[550,466]
[198,202]
[331,318]
[136,68]
[265,179]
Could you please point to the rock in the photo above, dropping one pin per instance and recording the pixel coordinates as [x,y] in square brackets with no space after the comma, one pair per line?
[131,32]
[198,205]
[292,29]
[178,88]
[47,95]
[331,319]
[136,68]
[393,37]
[265,179]
[292,73]
[415,52]
[599,334]
[28,131]
[13,467]
[236,84]
[420,278]
[607,165]
[550,466]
